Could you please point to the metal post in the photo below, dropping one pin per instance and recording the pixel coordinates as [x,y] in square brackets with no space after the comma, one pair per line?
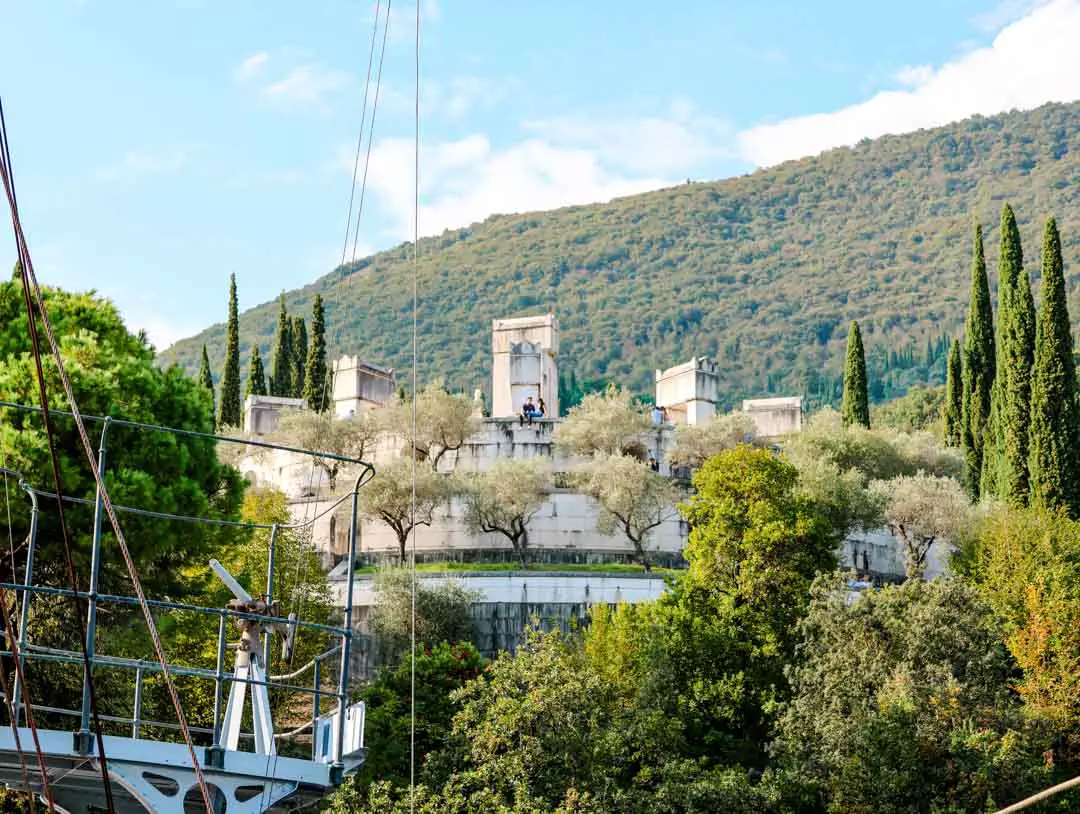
[24,611]
[316,705]
[137,715]
[219,679]
[269,592]
[83,736]
[346,633]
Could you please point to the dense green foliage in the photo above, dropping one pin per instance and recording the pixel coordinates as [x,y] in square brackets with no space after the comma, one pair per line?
[902,699]
[1055,423]
[230,408]
[979,368]
[921,408]
[855,406]
[757,271]
[256,378]
[316,384]
[954,397]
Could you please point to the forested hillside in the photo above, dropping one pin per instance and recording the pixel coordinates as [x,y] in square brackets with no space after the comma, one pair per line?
[761,272]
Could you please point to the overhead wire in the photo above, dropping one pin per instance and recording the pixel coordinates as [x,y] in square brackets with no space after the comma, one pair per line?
[25,265]
[32,287]
[412,505]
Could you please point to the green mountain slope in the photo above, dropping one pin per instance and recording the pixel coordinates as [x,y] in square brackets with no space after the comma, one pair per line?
[761,272]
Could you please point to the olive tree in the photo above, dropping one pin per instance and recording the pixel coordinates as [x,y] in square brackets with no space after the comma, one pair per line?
[920,509]
[444,422]
[351,437]
[505,498]
[633,499]
[607,423]
[388,497]
[696,443]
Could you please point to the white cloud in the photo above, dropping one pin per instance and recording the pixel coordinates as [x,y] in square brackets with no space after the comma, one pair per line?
[301,86]
[467,180]
[1005,12]
[652,144]
[252,66]
[141,163]
[575,159]
[914,75]
[1031,61]
[305,86]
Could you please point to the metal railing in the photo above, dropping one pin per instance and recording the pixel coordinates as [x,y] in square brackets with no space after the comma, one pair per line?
[27,590]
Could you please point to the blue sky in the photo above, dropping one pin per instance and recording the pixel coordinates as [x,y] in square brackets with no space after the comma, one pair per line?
[160,146]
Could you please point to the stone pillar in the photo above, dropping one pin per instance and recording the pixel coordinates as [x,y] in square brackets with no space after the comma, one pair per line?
[524,353]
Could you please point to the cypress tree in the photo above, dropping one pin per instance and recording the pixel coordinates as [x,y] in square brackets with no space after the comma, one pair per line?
[856,400]
[1016,326]
[299,356]
[978,362]
[206,379]
[281,366]
[991,477]
[256,380]
[315,386]
[1054,462]
[954,397]
[230,410]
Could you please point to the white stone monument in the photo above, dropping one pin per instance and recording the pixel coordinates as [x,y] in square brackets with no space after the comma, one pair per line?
[524,350]
[360,386]
[776,416]
[261,413]
[688,392]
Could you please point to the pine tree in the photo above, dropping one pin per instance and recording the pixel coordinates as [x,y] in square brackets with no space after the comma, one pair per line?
[230,409]
[1016,327]
[954,397]
[978,362]
[856,400]
[256,380]
[299,356]
[281,366]
[1054,462]
[315,387]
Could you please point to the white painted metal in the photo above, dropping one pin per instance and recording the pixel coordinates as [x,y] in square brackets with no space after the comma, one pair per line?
[230,582]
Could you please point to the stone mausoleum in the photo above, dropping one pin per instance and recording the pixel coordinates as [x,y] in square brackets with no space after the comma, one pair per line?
[525,363]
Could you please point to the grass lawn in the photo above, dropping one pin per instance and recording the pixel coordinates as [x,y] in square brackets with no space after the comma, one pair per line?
[481,567]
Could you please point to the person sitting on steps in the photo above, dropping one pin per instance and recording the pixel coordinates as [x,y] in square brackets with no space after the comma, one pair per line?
[541,410]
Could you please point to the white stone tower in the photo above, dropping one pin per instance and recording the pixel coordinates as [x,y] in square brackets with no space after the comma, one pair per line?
[689,392]
[360,385]
[524,364]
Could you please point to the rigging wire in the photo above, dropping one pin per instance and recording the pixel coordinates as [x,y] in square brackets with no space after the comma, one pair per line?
[412,505]
[30,282]
[50,436]
[360,136]
[20,674]
[371,130]
[14,577]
